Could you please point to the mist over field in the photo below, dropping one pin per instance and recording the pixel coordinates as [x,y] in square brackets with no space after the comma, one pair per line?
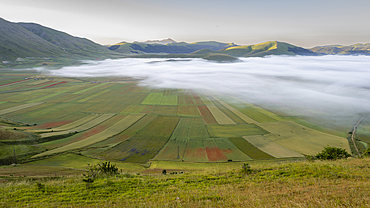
[334,87]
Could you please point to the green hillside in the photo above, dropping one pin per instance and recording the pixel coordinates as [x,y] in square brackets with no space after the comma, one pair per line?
[16,41]
[356,49]
[261,49]
[70,44]
[33,40]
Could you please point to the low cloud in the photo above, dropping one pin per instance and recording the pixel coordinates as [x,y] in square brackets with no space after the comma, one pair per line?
[325,86]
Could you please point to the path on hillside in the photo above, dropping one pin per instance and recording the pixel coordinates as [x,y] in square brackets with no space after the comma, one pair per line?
[353,134]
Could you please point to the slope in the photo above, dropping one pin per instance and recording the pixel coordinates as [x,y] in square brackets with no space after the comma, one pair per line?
[70,44]
[356,49]
[169,48]
[261,49]
[15,41]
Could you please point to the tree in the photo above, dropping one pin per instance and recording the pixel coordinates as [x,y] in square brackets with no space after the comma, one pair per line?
[332,153]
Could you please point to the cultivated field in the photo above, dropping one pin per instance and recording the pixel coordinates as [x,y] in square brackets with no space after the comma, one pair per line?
[115,119]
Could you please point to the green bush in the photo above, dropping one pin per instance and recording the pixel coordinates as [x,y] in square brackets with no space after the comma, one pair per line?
[332,153]
[246,169]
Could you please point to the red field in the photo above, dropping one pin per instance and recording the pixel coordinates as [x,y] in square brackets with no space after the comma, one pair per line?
[13,82]
[214,154]
[207,115]
[52,124]
[63,82]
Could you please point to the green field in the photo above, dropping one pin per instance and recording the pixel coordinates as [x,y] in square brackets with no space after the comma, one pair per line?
[110,119]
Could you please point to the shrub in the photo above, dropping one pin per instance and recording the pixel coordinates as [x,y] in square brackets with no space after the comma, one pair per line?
[367,152]
[105,168]
[332,153]
[246,169]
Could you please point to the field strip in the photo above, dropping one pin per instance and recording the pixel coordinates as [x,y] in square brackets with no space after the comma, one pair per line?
[83,127]
[271,147]
[220,117]
[47,96]
[19,107]
[92,96]
[111,131]
[37,82]
[12,83]
[301,138]
[71,125]
[169,100]
[84,90]
[236,112]
[153,99]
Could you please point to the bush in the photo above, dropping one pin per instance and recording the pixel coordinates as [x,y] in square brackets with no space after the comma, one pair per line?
[367,152]
[93,171]
[332,153]
[246,169]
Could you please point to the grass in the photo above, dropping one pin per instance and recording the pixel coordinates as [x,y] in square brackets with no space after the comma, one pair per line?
[341,183]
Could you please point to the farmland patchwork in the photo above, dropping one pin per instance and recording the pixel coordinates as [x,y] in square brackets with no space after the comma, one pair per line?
[119,120]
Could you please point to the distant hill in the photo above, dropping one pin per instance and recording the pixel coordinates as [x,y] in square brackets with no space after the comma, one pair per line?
[33,40]
[164,41]
[356,49]
[167,48]
[261,49]
[203,49]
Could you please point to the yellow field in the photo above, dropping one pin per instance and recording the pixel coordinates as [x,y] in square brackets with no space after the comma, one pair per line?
[220,117]
[236,112]
[111,131]
[83,127]
[19,107]
[271,147]
[71,125]
[300,138]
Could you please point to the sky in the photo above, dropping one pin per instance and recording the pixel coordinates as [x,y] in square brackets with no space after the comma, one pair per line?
[332,90]
[305,23]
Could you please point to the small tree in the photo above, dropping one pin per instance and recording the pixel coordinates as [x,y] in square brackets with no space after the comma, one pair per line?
[332,153]
[105,168]
[246,169]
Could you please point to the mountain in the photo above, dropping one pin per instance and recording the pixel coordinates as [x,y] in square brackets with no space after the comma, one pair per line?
[33,40]
[167,48]
[164,41]
[261,49]
[356,49]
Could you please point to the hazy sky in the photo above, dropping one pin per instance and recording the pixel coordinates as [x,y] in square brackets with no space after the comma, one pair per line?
[305,23]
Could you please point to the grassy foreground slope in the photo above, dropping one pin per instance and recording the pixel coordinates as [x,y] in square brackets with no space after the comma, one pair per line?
[342,183]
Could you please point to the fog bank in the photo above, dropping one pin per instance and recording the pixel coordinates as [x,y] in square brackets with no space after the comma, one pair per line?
[331,86]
